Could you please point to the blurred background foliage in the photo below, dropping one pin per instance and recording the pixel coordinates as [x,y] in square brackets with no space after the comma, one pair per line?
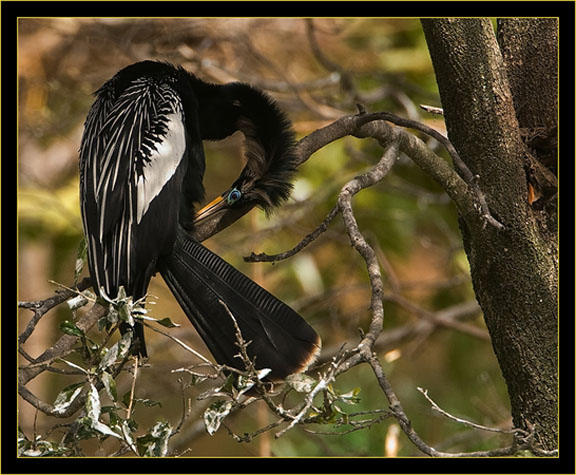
[381,63]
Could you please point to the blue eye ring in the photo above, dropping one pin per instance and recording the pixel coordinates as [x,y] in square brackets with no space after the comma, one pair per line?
[234,195]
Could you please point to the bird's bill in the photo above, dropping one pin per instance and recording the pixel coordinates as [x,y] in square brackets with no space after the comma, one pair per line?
[218,215]
[211,208]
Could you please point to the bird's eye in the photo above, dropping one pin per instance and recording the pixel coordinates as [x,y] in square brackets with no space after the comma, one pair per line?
[233,196]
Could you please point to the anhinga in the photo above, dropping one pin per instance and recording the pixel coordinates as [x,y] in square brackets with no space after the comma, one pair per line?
[141,166]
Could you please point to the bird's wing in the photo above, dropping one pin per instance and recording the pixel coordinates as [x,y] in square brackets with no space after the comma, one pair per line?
[131,148]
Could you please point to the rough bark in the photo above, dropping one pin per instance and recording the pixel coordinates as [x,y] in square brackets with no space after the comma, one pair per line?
[514,270]
[530,50]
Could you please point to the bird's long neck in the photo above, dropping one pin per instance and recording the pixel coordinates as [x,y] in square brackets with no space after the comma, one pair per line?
[269,139]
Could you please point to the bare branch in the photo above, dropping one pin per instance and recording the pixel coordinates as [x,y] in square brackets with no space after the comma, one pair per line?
[432,109]
[41,307]
[406,425]
[464,421]
[180,342]
[64,344]
[360,244]
[308,239]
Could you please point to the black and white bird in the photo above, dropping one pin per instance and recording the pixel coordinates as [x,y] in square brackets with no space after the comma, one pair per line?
[141,169]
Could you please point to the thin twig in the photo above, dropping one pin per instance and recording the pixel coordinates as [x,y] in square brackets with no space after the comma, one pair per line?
[41,307]
[179,342]
[356,426]
[132,389]
[64,344]
[406,425]
[432,109]
[321,385]
[308,239]
[464,421]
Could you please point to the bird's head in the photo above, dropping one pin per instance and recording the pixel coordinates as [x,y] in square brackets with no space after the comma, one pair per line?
[269,151]
[262,184]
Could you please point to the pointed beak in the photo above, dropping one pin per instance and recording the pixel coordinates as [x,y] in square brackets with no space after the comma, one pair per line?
[211,208]
[220,213]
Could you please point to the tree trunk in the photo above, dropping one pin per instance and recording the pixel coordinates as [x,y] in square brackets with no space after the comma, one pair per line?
[514,271]
[530,51]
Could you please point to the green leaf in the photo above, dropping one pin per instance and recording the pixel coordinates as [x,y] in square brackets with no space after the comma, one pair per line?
[93,409]
[350,397]
[155,443]
[109,385]
[117,351]
[105,430]
[125,314]
[41,448]
[109,358]
[74,365]
[228,386]
[81,257]
[66,397]
[23,441]
[114,419]
[165,322]
[92,405]
[85,430]
[127,433]
[243,383]
[215,414]
[148,402]
[136,400]
[77,302]
[121,294]
[301,382]
[111,318]
[70,328]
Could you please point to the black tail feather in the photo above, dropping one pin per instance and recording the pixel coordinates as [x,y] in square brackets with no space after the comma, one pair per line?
[200,280]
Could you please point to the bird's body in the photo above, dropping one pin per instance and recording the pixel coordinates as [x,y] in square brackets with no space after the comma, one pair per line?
[141,166]
[135,153]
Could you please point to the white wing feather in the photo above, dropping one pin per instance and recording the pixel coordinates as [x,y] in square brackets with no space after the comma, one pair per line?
[162,164]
